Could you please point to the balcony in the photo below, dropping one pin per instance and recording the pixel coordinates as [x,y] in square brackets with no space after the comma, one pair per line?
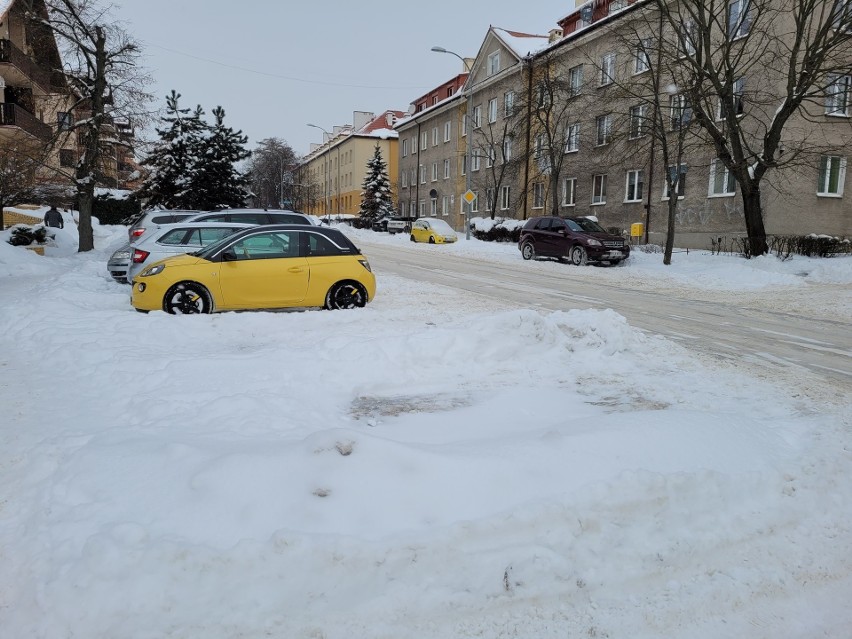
[11,115]
[25,69]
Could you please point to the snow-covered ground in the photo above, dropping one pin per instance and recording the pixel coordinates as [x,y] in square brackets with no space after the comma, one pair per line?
[430,466]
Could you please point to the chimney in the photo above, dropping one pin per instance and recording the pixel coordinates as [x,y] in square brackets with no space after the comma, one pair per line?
[360,119]
[554,35]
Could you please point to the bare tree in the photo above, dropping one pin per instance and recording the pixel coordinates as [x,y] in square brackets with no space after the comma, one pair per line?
[495,142]
[18,168]
[106,83]
[273,170]
[751,70]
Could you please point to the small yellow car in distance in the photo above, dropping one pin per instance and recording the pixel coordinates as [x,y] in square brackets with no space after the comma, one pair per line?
[433,231]
[263,267]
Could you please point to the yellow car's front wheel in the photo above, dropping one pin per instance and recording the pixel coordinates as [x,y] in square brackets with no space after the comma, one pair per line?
[187,298]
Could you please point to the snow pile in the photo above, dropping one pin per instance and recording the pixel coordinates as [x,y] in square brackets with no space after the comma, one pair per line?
[430,466]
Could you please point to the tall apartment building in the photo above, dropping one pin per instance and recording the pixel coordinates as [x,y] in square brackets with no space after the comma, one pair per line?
[561,124]
[332,173]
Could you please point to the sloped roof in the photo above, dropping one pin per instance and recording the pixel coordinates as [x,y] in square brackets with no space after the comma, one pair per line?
[521,44]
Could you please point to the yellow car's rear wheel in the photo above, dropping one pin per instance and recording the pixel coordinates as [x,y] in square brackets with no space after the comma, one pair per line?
[346,295]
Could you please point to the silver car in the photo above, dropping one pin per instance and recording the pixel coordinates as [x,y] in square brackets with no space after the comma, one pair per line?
[255,216]
[152,219]
[177,239]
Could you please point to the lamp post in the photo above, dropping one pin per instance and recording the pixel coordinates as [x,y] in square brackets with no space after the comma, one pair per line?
[469,127]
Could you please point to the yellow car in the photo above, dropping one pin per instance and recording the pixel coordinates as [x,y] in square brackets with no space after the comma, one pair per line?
[263,267]
[432,230]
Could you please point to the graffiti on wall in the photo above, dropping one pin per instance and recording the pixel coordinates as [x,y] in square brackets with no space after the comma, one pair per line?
[720,211]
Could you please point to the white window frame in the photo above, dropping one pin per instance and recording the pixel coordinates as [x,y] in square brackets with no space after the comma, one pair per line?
[603,129]
[572,138]
[638,121]
[687,37]
[435,136]
[505,197]
[476,160]
[739,100]
[474,206]
[489,157]
[434,171]
[575,80]
[722,182]
[414,145]
[433,206]
[826,164]
[569,191]
[680,111]
[508,143]
[838,96]
[448,130]
[634,186]
[508,104]
[739,18]
[538,195]
[422,174]
[405,148]
[405,179]
[607,75]
[492,110]
[680,183]
[599,189]
[447,169]
[489,199]
[493,63]
[477,116]
[445,205]
[641,56]
[424,141]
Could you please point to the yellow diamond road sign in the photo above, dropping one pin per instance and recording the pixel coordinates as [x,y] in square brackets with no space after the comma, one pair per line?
[469,197]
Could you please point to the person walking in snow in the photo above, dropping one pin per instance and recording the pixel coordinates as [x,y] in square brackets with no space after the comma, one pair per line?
[53,218]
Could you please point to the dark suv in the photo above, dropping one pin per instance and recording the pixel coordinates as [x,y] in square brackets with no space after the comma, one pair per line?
[577,239]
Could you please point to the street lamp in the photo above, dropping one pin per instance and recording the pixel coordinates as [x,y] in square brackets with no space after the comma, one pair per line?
[328,180]
[469,136]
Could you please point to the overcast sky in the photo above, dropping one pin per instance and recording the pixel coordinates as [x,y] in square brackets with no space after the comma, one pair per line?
[275,66]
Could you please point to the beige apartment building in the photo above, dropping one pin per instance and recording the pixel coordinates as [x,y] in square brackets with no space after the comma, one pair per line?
[332,174]
[561,125]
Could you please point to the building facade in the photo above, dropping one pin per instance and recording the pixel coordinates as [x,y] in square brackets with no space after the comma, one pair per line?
[333,172]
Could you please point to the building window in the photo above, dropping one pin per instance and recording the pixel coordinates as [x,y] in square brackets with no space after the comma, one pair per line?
[505,198]
[448,127]
[489,157]
[680,112]
[464,126]
[575,80]
[617,5]
[464,165]
[477,116]
[688,37]
[474,206]
[492,110]
[739,18]
[509,104]
[433,206]
[64,120]
[446,169]
[489,200]
[638,121]
[540,145]
[599,189]
[739,100]
[838,94]
[434,171]
[569,191]
[635,186]
[67,157]
[538,195]
[422,208]
[607,69]
[422,174]
[642,56]
[412,209]
[413,179]
[445,205]
[414,145]
[603,126]
[842,15]
[572,138]
[678,177]
[405,148]
[475,160]
[507,148]
[832,175]
[721,180]
[434,136]
[494,63]
[405,179]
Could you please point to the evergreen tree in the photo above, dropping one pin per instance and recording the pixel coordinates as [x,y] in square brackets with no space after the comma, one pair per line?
[174,161]
[376,197]
[216,183]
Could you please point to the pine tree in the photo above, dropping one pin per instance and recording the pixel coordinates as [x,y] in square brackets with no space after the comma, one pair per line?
[216,183]
[376,197]
[173,162]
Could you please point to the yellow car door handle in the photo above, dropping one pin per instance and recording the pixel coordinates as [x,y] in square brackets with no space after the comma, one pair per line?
[295,269]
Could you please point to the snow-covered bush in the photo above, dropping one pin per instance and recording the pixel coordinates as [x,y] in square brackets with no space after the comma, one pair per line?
[496,230]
